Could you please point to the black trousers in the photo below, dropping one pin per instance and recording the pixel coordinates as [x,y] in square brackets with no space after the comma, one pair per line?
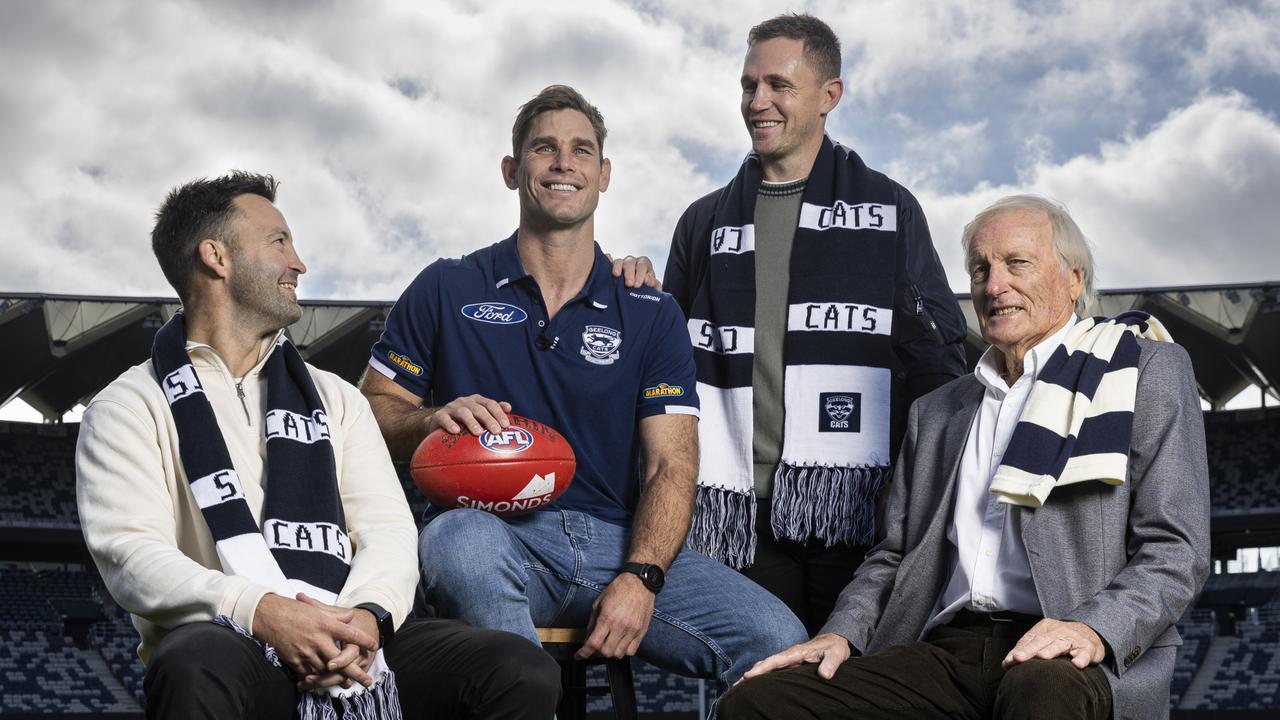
[444,669]
[955,673]
[808,577]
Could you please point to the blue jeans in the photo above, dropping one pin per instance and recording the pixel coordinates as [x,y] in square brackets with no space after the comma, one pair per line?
[545,569]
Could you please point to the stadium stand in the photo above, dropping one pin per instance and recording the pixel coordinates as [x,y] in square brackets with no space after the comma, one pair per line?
[45,674]
[45,669]
[37,477]
[117,642]
[1244,466]
[1196,627]
[30,598]
[1249,674]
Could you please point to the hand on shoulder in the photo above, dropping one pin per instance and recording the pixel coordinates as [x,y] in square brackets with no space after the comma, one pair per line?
[635,271]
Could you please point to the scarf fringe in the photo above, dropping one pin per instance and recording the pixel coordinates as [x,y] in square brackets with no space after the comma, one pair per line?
[312,707]
[836,505]
[724,526]
[380,701]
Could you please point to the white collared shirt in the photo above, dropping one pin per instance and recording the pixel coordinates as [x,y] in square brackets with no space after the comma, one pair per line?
[990,571]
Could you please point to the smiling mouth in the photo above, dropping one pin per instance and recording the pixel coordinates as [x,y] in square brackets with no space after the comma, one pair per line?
[1002,312]
[765,124]
[291,287]
[560,187]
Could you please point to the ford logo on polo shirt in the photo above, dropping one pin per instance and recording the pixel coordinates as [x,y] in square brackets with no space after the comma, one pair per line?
[508,442]
[495,313]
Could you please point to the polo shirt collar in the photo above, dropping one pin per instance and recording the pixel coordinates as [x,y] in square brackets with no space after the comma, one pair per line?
[508,269]
[599,282]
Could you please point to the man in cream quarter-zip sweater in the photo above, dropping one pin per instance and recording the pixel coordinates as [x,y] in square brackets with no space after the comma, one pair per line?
[128,429]
[229,253]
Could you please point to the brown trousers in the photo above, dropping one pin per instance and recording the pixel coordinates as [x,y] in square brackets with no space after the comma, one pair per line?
[954,673]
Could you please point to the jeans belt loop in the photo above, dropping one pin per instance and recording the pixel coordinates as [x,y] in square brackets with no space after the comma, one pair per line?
[577,525]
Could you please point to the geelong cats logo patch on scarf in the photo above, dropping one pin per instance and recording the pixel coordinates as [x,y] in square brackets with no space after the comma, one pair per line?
[600,344]
[840,412]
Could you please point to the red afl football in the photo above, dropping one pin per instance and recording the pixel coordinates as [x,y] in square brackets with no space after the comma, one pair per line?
[522,468]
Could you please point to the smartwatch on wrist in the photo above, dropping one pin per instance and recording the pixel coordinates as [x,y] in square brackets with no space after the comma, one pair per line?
[651,575]
[386,624]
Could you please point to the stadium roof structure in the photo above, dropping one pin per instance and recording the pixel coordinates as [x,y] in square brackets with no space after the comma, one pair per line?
[60,350]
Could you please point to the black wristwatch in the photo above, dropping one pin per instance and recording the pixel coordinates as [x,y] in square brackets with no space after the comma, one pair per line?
[386,624]
[651,575]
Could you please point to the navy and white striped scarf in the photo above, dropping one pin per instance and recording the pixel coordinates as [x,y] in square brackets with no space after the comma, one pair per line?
[1078,419]
[837,353]
[302,545]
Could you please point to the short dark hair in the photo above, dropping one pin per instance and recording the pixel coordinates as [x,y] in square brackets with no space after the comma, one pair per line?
[821,46]
[200,209]
[555,97]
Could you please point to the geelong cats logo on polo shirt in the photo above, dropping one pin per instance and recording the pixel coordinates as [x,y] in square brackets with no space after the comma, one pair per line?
[600,344]
[840,412]
[495,313]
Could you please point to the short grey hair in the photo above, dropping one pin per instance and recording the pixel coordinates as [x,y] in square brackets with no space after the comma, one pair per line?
[1069,242]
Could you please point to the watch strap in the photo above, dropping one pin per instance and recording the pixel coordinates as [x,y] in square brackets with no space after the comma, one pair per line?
[386,623]
[644,572]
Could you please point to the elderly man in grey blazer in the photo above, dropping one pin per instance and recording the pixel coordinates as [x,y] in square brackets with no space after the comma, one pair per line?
[997,592]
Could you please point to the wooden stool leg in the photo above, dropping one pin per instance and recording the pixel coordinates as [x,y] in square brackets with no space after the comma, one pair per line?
[622,688]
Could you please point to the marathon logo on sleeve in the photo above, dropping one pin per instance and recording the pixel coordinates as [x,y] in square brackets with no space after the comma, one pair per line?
[217,488]
[293,426]
[405,363]
[181,383]
[863,216]
[662,390]
[733,240]
[307,536]
[839,317]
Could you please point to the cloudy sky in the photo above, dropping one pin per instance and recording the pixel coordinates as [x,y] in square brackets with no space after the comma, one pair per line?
[1156,122]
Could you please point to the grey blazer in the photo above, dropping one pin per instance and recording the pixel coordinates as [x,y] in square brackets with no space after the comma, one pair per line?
[1127,560]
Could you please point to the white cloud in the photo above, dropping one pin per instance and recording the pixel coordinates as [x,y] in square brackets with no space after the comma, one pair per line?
[387,122]
[1239,37]
[376,183]
[1192,202]
[927,157]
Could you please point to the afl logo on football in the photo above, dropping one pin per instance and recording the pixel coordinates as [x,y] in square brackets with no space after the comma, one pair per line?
[494,313]
[508,442]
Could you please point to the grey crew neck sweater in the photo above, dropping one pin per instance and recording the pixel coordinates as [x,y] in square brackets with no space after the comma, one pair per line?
[777,212]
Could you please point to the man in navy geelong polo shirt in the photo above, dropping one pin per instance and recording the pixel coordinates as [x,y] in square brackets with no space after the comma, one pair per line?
[537,325]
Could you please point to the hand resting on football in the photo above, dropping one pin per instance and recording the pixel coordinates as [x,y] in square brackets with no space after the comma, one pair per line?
[405,422]
[474,412]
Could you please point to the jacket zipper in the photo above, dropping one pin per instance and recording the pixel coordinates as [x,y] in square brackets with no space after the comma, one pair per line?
[937,334]
[243,404]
